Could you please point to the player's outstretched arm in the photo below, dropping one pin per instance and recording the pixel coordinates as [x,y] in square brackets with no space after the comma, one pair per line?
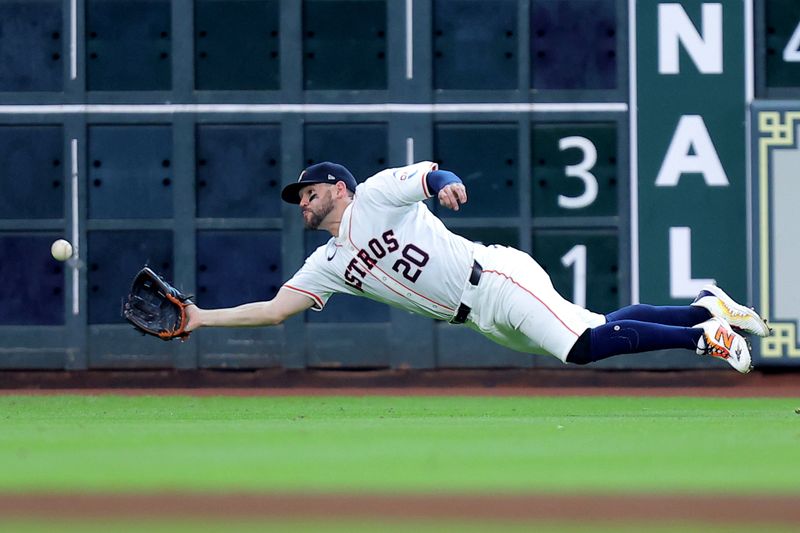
[270,313]
[453,195]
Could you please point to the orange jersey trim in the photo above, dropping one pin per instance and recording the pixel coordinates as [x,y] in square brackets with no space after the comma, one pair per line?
[425,190]
[317,299]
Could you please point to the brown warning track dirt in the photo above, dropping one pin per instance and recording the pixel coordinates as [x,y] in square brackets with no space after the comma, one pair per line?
[583,508]
[490,382]
[711,392]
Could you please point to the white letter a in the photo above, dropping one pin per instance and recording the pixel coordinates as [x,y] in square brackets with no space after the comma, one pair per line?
[691,150]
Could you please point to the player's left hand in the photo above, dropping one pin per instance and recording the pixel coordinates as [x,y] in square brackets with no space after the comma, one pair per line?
[453,195]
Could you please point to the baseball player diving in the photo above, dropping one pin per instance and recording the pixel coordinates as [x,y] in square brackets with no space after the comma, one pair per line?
[388,246]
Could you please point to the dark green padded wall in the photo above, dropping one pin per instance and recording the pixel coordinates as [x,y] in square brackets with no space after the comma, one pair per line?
[344,44]
[129,45]
[237,45]
[31,56]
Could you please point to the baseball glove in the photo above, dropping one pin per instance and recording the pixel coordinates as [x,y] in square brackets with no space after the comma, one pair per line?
[155,307]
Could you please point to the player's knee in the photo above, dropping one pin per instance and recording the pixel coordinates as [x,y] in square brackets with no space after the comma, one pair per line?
[581,352]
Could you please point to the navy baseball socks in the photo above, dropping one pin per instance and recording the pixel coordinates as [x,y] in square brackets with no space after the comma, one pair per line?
[711,302]
[713,337]
[640,328]
[631,336]
[706,326]
[684,315]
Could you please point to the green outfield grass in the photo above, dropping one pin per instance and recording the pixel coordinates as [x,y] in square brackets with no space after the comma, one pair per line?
[371,443]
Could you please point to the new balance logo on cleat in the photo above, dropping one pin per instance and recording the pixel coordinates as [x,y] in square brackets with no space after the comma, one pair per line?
[719,340]
[724,336]
[720,305]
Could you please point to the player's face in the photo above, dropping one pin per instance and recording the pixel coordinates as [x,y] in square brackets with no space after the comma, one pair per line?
[316,202]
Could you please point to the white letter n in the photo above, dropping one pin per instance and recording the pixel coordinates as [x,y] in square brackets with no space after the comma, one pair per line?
[675,27]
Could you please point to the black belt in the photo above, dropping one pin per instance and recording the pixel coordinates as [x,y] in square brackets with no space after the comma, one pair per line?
[463,310]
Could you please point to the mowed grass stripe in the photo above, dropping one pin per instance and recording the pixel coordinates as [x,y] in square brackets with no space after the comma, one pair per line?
[372,443]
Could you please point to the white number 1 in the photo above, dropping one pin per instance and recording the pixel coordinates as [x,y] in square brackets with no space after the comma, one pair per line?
[577,256]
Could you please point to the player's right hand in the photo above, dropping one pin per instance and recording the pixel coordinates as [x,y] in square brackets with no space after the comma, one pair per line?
[453,195]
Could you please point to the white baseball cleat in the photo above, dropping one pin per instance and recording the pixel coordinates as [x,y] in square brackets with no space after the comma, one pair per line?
[723,306]
[719,340]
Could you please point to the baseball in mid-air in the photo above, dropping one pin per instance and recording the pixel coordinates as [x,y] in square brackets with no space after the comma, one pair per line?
[61,250]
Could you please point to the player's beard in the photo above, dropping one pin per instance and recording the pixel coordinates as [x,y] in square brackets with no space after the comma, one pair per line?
[316,216]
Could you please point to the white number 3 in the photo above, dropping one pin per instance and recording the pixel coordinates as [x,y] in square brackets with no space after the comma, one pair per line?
[581,171]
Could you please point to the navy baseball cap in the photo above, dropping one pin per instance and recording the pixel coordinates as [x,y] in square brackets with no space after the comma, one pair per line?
[325,172]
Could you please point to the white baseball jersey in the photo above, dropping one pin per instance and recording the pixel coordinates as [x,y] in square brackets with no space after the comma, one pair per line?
[392,249]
